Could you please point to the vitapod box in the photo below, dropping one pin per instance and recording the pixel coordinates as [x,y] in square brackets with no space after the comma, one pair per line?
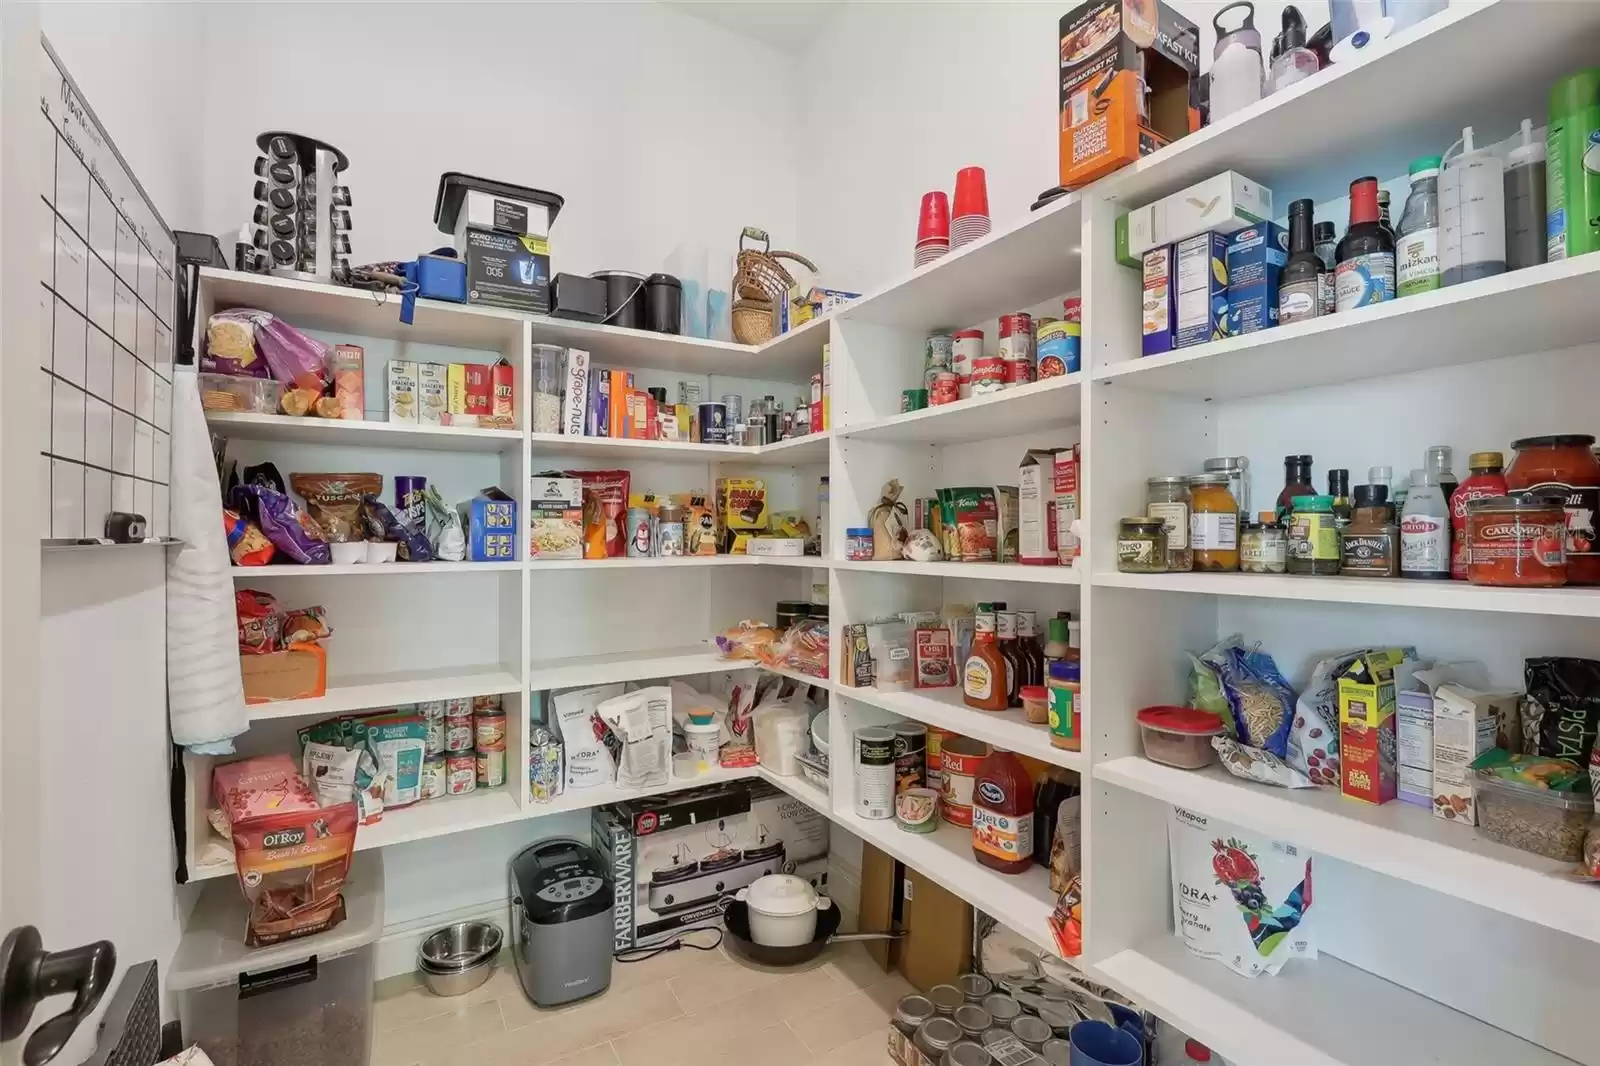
[1255,256]
[677,859]
[1226,203]
[1200,265]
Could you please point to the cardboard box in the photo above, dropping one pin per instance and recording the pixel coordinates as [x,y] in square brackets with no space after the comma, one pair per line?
[401,380]
[433,394]
[575,401]
[1068,463]
[1201,290]
[1036,508]
[507,270]
[349,381]
[1255,256]
[599,416]
[502,396]
[1226,203]
[1466,723]
[1160,307]
[480,393]
[1414,738]
[1367,740]
[1005,523]
[741,509]
[1105,45]
[876,912]
[619,402]
[938,943]
[456,396]
[655,845]
[491,521]
[555,517]
[300,672]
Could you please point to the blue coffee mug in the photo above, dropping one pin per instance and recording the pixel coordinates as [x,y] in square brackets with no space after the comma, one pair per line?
[1098,1044]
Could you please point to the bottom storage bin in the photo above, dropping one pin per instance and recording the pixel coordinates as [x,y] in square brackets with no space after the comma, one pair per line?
[304,1003]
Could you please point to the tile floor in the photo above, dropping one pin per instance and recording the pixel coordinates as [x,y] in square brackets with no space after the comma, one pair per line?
[682,1008]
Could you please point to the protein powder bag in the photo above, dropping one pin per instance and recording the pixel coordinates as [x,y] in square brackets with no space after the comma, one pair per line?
[1237,897]
[1561,715]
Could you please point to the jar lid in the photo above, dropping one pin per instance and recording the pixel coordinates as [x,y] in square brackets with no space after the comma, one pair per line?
[858,531]
[1197,1051]
[1516,501]
[967,334]
[1313,503]
[1033,692]
[1209,479]
[1001,1007]
[1031,1030]
[1225,463]
[1180,720]
[1558,440]
[947,998]
[1143,521]
[972,1018]
[939,1033]
[1483,459]
[781,895]
[967,1053]
[1371,495]
[914,1008]
[1062,671]
[1167,482]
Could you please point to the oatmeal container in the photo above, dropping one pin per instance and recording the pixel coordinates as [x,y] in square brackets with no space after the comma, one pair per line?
[1178,736]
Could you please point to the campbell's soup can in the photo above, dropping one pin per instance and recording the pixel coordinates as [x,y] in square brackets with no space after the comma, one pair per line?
[458,734]
[490,766]
[946,389]
[1016,347]
[959,759]
[967,349]
[988,375]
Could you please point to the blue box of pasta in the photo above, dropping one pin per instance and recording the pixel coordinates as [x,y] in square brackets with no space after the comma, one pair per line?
[1202,289]
[491,521]
[1255,256]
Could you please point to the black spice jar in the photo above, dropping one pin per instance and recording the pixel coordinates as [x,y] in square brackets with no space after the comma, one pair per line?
[663,304]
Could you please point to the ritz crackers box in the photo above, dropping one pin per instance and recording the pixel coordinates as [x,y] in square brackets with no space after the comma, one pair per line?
[1100,47]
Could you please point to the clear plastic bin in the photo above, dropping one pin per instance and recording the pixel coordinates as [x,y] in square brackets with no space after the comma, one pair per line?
[1539,820]
[225,392]
[304,1003]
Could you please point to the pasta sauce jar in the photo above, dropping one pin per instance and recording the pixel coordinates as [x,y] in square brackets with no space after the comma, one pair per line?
[1564,465]
[1517,540]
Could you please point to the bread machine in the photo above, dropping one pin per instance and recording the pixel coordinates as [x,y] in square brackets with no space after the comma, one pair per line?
[561,899]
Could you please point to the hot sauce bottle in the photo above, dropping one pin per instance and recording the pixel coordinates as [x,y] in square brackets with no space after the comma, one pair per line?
[983,677]
[1002,814]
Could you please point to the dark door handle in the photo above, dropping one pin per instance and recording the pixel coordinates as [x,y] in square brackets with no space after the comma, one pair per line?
[29,974]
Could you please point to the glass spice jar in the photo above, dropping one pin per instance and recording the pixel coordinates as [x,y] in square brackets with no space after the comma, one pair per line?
[1313,536]
[1167,498]
[1264,545]
[1213,523]
[1142,546]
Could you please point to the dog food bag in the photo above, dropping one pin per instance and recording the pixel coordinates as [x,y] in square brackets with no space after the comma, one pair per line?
[400,744]
[1238,897]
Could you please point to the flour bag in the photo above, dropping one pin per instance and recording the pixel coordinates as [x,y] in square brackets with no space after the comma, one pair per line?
[1239,897]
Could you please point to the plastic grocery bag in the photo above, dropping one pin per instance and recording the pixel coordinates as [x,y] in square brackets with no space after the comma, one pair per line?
[1238,897]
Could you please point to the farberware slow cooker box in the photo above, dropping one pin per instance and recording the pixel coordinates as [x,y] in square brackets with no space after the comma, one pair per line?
[676,859]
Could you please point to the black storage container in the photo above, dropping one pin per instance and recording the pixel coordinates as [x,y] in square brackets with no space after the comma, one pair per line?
[625,298]
[663,304]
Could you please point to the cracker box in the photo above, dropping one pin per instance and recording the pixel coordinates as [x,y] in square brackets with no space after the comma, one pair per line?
[1466,723]
[1367,740]
[1200,292]
[1036,508]
[555,517]
[502,396]
[1414,736]
[1129,78]
[480,393]
[456,396]
[1255,256]
[402,385]
[1159,305]
[491,521]
[433,394]
[741,509]
[1225,203]
[349,381]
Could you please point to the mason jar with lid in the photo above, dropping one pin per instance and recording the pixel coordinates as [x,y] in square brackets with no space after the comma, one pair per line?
[1213,523]
[934,1037]
[911,1012]
[974,986]
[946,998]
[965,1053]
[973,1020]
[1167,498]
[1142,545]
[1237,469]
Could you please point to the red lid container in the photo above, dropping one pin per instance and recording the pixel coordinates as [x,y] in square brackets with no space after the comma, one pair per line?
[1179,736]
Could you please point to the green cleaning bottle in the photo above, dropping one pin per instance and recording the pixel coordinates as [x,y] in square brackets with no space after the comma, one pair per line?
[1572,220]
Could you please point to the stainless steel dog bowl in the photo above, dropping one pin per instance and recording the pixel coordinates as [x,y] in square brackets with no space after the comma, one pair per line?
[458,958]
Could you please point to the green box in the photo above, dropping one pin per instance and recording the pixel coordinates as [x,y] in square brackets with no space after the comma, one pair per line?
[1125,257]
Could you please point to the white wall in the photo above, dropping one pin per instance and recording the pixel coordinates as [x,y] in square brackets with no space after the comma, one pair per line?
[657,128]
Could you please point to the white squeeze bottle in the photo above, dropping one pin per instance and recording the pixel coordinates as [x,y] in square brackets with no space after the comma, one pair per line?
[1425,523]
[1472,213]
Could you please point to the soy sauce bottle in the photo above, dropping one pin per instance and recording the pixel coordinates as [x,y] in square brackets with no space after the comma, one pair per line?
[1365,274]
[1301,281]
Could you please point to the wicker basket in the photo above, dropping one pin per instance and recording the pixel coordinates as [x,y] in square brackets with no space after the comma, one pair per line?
[761,277]
[752,321]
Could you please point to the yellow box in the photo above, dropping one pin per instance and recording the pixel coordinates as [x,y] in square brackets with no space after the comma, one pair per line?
[1367,742]
[456,389]
[741,509]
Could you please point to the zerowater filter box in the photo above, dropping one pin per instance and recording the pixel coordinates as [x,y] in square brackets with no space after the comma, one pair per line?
[1255,256]
[677,860]
[1226,203]
[507,270]
[488,211]
[1201,268]
[1160,309]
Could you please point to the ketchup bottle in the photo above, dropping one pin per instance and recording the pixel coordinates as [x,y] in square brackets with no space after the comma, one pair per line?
[1486,479]
[1002,814]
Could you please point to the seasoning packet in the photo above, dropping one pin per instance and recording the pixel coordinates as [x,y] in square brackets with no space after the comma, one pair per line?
[935,658]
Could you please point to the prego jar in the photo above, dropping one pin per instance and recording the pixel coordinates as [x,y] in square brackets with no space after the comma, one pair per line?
[1264,545]
[1142,546]
[1517,540]
[1564,465]
[1167,498]
[1213,523]
[1313,536]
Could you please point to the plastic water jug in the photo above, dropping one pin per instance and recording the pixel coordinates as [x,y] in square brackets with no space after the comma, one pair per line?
[1236,69]
[1472,212]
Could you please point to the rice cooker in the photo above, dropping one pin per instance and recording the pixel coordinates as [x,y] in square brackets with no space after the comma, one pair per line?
[561,896]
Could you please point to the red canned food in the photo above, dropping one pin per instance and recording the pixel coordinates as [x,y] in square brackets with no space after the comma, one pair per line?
[1019,322]
[1072,309]
[460,773]
[1517,540]
[988,374]
[967,348]
[946,388]
[1016,348]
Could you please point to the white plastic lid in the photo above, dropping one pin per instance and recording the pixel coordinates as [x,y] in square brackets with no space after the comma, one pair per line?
[212,950]
[783,896]
[701,727]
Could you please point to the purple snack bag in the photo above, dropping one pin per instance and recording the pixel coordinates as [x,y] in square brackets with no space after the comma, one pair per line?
[383,524]
[294,358]
[290,529]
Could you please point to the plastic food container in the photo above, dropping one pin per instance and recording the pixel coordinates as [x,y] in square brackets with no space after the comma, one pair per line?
[1036,703]
[1179,736]
[306,1002]
[1541,820]
[225,392]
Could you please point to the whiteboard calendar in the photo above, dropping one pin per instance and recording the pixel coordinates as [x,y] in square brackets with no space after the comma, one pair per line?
[107,305]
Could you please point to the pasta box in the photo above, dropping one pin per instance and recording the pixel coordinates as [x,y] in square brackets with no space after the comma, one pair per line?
[555,517]
[1201,289]
[1255,256]
[491,521]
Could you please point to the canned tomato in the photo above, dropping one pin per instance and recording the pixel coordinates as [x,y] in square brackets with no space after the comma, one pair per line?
[1517,540]
[988,375]
[458,734]
[460,773]
[435,727]
[966,349]
[1016,348]
[960,758]
[489,729]
[946,389]
[490,766]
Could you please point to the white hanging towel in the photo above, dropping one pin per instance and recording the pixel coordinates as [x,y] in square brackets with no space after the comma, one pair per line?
[205,696]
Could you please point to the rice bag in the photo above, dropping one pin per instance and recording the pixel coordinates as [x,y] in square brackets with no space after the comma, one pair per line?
[383,524]
[230,345]
[1259,699]
[1561,714]
[334,500]
[247,545]
[399,744]
[444,528]
[291,530]
[1253,764]
[1316,721]
[1238,897]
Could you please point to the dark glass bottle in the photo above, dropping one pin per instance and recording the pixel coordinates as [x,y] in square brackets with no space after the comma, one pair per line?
[1029,649]
[1054,788]
[1326,240]
[1365,271]
[1339,489]
[1383,213]
[1006,627]
[1301,281]
[1296,482]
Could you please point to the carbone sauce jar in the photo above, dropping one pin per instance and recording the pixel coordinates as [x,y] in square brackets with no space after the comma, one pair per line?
[1517,540]
[1564,465]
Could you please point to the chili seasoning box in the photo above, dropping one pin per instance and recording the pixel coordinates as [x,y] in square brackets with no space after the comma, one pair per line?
[935,657]
[1200,291]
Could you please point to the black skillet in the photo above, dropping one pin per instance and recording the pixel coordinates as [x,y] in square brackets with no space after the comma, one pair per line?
[736,926]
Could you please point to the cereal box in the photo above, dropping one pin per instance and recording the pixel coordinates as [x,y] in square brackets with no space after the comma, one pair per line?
[349,382]
[402,381]
[1465,725]
[433,393]
[555,517]
[741,509]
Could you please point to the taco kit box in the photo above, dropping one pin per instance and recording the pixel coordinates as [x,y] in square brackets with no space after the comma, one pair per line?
[678,859]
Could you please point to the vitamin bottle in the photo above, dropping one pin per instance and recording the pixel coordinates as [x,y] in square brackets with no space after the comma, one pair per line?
[1365,274]
[1002,814]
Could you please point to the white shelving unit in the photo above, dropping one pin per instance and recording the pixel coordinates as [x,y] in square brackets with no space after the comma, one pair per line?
[1436,945]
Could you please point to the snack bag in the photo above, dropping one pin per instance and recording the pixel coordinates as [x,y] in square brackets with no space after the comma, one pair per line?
[444,531]
[1260,700]
[1253,764]
[1314,735]
[383,524]
[334,500]
[292,531]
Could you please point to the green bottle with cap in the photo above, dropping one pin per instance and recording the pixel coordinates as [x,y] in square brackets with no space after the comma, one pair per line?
[1572,175]
[1059,647]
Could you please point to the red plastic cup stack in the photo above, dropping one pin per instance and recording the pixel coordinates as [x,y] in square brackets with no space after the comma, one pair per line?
[971,207]
[933,228]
